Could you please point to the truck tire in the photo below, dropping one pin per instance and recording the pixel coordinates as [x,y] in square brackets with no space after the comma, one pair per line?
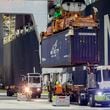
[9,93]
[39,96]
[34,96]
[82,101]
[91,101]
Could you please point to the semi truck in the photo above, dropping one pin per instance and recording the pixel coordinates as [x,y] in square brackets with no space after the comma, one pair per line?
[32,82]
[90,85]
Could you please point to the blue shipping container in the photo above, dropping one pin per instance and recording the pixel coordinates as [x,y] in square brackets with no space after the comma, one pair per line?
[20,56]
[61,50]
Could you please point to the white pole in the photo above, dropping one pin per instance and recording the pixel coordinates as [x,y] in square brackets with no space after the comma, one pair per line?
[106,39]
[34,69]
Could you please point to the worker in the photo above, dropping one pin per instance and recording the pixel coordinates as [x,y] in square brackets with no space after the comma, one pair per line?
[58,89]
[22,84]
[50,91]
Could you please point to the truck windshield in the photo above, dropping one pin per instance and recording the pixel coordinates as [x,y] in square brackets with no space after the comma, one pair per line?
[34,79]
[106,75]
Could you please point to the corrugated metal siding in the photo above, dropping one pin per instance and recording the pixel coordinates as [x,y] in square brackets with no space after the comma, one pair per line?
[85,47]
[56,50]
[59,50]
[104,9]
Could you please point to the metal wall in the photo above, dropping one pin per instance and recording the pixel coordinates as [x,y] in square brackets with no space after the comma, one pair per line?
[20,56]
[103,8]
[84,46]
[55,50]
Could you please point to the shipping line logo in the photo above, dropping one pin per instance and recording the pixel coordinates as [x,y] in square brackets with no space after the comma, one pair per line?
[54,50]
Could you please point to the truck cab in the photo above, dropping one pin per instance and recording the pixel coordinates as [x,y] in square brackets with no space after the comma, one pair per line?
[103,77]
[35,84]
[101,93]
[93,85]
[31,82]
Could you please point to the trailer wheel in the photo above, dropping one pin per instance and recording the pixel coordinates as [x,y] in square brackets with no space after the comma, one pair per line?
[91,101]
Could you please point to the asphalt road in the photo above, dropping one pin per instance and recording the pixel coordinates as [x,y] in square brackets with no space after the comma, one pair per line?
[10,103]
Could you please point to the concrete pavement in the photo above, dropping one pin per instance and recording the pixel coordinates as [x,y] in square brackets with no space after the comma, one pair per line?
[10,103]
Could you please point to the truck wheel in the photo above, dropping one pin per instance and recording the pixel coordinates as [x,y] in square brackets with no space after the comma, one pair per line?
[91,101]
[34,96]
[9,93]
[39,96]
[81,101]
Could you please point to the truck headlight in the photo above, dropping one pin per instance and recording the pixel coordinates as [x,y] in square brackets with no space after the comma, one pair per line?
[27,89]
[100,93]
[38,89]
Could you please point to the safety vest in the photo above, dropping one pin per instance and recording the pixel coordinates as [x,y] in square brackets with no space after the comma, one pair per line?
[58,89]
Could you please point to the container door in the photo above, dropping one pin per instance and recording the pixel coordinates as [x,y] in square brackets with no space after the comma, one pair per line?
[84,47]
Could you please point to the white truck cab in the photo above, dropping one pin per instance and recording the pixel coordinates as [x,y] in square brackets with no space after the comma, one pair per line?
[103,77]
[101,93]
[35,84]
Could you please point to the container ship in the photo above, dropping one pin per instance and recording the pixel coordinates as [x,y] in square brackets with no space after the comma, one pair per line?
[20,52]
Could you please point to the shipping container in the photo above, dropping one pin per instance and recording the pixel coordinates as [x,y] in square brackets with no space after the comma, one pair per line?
[7,64]
[1,43]
[61,50]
